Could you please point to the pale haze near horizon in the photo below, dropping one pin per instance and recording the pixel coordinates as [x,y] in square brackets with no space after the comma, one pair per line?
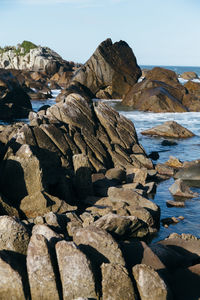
[159,32]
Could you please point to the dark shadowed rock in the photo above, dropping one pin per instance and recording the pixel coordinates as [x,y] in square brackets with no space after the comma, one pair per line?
[112,67]
[14,102]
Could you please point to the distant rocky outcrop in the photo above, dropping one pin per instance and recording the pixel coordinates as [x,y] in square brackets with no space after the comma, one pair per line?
[28,56]
[110,71]
[14,101]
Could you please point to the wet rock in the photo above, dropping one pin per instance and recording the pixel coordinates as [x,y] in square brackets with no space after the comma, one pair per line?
[168,221]
[171,203]
[163,169]
[150,285]
[168,143]
[189,172]
[179,188]
[98,245]
[112,66]
[40,269]
[174,162]
[116,283]
[75,271]
[169,129]
[14,236]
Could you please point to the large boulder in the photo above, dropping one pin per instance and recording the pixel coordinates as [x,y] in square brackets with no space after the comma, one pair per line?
[169,129]
[156,96]
[14,102]
[189,75]
[110,71]
[160,91]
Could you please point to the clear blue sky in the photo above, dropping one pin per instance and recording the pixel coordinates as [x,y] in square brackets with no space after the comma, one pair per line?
[160,32]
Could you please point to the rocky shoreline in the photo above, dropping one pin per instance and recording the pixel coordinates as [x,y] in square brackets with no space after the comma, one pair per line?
[76,216]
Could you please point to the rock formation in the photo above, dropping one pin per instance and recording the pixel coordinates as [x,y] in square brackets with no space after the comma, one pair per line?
[110,71]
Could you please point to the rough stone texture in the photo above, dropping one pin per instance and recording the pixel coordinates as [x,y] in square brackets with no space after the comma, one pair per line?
[179,188]
[41,274]
[122,226]
[48,233]
[112,68]
[169,129]
[75,271]
[13,235]
[150,285]
[11,283]
[14,102]
[189,75]
[116,283]
[99,245]
[154,96]
[37,59]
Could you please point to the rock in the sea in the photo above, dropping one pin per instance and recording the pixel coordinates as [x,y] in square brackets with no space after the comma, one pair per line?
[190,172]
[155,96]
[179,188]
[189,75]
[75,271]
[169,129]
[40,268]
[150,285]
[112,68]
[14,102]
[116,283]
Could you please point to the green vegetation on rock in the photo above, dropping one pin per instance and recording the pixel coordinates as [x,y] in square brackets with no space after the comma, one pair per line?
[21,49]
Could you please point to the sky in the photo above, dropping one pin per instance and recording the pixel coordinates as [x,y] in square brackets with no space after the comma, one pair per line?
[160,32]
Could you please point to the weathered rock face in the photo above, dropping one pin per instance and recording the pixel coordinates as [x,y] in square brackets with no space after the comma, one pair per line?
[111,70]
[40,270]
[189,75]
[156,96]
[35,58]
[75,271]
[150,285]
[113,274]
[169,129]
[14,102]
